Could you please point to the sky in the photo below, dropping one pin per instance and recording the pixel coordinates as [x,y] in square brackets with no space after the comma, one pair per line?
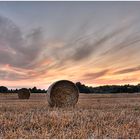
[96,43]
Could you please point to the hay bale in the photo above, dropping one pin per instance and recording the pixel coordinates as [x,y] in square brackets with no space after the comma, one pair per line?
[24,93]
[62,93]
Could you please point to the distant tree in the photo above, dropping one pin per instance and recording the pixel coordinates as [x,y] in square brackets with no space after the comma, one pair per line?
[34,90]
[82,88]
[3,89]
[138,87]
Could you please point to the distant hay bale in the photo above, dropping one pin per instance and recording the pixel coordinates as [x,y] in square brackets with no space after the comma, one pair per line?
[62,93]
[23,93]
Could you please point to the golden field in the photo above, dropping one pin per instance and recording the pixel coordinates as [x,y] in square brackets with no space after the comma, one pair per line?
[94,116]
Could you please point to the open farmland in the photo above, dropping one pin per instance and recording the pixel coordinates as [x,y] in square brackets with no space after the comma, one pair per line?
[95,116]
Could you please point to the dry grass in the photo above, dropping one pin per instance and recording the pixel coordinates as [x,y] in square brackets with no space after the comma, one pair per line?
[95,116]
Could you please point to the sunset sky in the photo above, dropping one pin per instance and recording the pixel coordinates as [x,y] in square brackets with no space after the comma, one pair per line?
[96,43]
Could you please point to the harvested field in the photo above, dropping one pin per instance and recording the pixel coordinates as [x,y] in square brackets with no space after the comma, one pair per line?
[95,116]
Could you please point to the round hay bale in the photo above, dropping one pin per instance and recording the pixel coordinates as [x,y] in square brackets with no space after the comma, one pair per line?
[24,93]
[62,93]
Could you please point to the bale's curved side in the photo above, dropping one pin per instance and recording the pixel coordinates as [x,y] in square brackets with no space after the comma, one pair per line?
[23,93]
[62,93]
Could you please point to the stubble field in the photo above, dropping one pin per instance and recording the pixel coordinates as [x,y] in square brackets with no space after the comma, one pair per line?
[94,116]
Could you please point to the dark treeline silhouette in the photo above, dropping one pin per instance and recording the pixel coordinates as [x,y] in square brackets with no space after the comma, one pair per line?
[35,90]
[86,89]
[4,89]
[108,88]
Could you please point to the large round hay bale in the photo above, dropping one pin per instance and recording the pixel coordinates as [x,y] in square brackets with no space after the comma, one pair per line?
[24,93]
[62,93]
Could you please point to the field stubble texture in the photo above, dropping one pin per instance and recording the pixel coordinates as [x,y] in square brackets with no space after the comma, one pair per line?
[95,116]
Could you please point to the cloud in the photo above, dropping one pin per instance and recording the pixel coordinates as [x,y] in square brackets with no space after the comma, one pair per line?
[128,70]
[83,47]
[18,49]
[30,56]
[124,44]
[114,81]
[82,52]
[95,75]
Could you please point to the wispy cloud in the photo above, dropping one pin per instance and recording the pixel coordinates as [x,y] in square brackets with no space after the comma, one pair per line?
[95,75]
[79,50]
[18,49]
[128,70]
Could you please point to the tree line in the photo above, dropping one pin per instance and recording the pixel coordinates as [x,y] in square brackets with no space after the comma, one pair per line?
[86,89]
[4,89]
[109,88]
